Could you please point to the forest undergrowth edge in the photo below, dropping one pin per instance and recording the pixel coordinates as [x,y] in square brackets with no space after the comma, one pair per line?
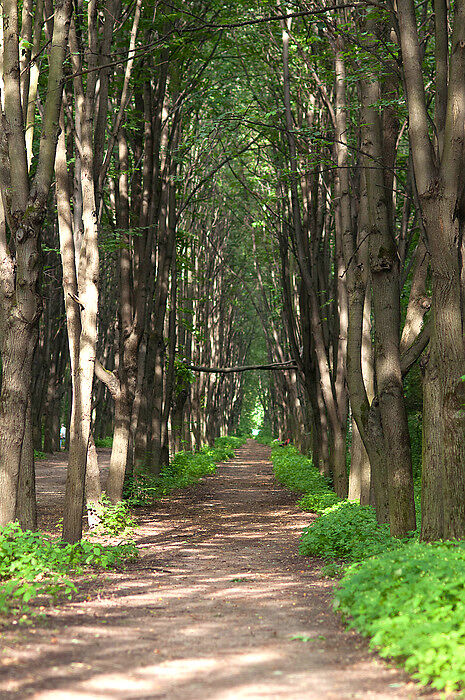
[37,570]
[406,595]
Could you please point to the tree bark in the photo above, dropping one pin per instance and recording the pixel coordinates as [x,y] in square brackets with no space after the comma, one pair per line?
[438,180]
[24,204]
[384,268]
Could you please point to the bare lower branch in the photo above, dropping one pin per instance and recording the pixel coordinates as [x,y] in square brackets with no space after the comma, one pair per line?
[411,355]
[108,378]
[228,370]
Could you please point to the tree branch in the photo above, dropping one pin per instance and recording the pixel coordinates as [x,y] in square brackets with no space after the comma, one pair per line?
[290,364]
[411,355]
[108,378]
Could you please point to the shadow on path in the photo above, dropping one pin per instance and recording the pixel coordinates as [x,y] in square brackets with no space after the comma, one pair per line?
[207,612]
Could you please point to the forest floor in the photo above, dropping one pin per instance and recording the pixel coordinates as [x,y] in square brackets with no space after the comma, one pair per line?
[208,611]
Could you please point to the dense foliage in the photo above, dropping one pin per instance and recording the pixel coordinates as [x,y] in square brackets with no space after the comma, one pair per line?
[184,470]
[408,596]
[114,518]
[298,473]
[347,530]
[411,602]
[33,565]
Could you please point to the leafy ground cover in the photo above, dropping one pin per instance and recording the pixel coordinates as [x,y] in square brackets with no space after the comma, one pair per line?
[115,518]
[104,442]
[298,473]
[407,596]
[184,469]
[411,602]
[347,531]
[33,564]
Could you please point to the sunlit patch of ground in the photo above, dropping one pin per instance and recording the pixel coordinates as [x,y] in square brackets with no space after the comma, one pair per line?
[208,612]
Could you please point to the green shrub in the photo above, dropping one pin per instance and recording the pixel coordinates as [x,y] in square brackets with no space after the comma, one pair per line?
[409,597]
[298,473]
[32,565]
[318,502]
[334,569]
[184,469]
[265,436]
[141,489]
[347,530]
[411,601]
[39,455]
[104,442]
[115,518]
[229,443]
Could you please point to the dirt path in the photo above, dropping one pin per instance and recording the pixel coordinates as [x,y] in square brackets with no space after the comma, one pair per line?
[206,613]
[50,486]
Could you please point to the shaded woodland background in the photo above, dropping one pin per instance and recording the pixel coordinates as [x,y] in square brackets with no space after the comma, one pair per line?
[214,184]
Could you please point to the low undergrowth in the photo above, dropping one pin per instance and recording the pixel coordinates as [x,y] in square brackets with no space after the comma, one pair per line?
[33,565]
[264,436]
[114,518]
[184,469]
[411,602]
[347,531]
[408,596]
[104,442]
[298,473]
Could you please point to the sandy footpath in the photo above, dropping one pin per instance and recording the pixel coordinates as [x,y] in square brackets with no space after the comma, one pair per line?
[208,611]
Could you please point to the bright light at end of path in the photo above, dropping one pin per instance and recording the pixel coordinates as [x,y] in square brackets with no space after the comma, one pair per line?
[255,431]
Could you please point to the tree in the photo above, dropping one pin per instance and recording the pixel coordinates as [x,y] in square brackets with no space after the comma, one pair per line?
[437,165]
[23,206]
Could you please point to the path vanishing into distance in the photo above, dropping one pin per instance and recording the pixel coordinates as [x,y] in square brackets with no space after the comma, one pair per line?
[208,611]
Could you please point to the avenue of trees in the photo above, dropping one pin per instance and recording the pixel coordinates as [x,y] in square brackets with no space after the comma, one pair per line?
[218,184]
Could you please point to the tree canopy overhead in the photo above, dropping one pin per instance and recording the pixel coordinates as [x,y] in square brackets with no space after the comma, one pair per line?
[226,184]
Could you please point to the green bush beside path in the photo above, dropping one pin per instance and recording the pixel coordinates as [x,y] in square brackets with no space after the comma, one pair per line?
[34,565]
[407,596]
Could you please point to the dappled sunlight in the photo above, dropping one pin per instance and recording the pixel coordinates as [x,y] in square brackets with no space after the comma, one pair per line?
[208,611]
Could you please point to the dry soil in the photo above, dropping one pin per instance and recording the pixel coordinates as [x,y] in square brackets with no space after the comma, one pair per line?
[208,611]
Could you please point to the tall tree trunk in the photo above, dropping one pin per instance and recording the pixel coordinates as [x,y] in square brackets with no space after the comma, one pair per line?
[24,205]
[384,268]
[85,347]
[438,178]
[26,506]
